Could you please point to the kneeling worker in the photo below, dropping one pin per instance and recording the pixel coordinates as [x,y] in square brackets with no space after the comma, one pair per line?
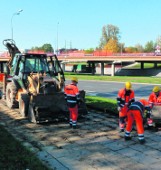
[135,113]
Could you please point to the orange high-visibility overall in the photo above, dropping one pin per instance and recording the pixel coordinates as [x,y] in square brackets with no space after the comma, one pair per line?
[135,113]
[71,93]
[124,99]
[154,99]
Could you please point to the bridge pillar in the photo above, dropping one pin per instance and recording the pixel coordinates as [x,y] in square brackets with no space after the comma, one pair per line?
[113,69]
[155,64]
[142,65]
[102,68]
[93,68]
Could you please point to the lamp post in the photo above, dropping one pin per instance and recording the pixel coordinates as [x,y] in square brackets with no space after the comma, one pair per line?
[57,37]
[16,13]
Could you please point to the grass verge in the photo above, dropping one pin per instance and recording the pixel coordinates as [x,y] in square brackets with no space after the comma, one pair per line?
[134,79]
[13,155]
[102,104]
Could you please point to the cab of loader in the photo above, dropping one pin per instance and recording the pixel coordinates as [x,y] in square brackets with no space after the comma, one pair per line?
[34,83]
[22,66]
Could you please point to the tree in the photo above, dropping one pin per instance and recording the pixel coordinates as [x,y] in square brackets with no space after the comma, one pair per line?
[112,46]
[109,32]
[89,51]
[139,48]
[158,42]
[131,50]
[149,46]
[36,48]
[121,47]
[47,48]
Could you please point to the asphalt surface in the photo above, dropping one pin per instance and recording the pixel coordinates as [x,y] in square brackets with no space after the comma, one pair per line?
[95,145]
[110,89]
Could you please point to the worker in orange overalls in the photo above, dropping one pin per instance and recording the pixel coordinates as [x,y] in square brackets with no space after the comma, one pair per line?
[154,99]
[155,96]
[135,113]
[125,97]
[72,97]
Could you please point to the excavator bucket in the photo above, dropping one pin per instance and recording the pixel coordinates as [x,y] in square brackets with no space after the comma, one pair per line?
[46,107]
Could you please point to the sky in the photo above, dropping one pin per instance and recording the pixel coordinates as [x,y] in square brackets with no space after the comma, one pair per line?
[78,23]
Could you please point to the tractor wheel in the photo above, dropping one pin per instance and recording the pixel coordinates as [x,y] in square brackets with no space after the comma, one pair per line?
[11,92]
[31,114]
[23,105]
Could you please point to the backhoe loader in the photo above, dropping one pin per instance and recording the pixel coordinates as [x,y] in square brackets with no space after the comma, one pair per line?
[34,83]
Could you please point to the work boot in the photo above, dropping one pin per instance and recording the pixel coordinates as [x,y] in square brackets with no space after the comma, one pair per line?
[121,130]
[75,127]
[127,137]
[142,141]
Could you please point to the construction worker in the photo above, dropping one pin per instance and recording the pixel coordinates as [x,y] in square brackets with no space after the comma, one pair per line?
[124,99]
[155,96]
[135,113]
[154,99]
[72,97]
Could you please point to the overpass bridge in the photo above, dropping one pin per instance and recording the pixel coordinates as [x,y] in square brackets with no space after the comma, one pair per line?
[111,60]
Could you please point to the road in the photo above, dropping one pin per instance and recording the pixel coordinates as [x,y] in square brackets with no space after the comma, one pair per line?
[110,89]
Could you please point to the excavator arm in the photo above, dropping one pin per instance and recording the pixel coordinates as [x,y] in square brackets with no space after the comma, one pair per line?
[12,49]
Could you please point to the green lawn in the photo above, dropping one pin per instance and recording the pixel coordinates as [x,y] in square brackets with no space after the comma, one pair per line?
[146,65]
[102,104]
[14,156]
[136,79]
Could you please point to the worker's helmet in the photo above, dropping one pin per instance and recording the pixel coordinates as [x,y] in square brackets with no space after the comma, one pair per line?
[74,79]
[156,89]
[128,85]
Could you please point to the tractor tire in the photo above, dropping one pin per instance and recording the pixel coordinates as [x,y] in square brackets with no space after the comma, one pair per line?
[24,105]
[11,92]
[31,114]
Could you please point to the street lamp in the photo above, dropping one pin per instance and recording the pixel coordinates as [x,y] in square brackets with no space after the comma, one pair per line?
[57,37]
[16,13]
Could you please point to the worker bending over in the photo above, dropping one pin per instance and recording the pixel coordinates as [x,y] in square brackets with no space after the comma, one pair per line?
[135,113]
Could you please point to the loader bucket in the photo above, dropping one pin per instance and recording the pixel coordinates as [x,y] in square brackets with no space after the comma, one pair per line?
[44,107]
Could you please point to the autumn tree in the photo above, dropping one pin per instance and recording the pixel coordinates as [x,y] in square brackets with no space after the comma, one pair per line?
[109,32]
[112,46]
